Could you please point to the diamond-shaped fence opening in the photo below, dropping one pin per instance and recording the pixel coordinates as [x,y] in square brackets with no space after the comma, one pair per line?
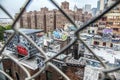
[46,61]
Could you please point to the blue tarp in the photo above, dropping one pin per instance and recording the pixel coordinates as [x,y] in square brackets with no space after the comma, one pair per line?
[56,34]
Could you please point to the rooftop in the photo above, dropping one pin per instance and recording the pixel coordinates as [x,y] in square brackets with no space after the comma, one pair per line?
[26,31]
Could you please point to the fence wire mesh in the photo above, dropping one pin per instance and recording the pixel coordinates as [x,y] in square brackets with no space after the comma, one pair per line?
[47,60]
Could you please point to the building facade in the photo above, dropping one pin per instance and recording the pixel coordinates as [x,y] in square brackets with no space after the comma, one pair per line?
[73,71]
[102,5]
[48,20]
[112,18]
[112,21]
[88,8]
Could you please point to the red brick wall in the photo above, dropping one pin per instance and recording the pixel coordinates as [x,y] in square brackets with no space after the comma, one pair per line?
[73,72]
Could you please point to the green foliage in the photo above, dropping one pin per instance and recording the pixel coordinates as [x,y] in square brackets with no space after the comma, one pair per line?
[2,29]
[1,32]
[8,27]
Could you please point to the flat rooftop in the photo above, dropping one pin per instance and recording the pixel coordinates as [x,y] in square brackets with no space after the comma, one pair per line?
[26,31]
[32,62]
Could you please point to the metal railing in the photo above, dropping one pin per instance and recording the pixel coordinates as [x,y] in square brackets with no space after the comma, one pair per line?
[47,60]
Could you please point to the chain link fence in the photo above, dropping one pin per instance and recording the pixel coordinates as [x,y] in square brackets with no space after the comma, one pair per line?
[47,60]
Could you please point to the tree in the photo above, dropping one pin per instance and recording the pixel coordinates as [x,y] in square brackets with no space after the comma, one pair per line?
[1,32]
[2,29]
[8,27]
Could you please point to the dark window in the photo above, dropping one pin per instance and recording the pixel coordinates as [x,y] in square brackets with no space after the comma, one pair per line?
[104,18]
[111,45]
[93,31]
[116,29]
[96,43]
[75,51]
[104,43]
[48,75]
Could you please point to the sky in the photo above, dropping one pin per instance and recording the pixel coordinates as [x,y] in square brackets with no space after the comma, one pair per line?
[13,6]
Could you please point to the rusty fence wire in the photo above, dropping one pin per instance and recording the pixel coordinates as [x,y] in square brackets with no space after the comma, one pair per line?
[47,61]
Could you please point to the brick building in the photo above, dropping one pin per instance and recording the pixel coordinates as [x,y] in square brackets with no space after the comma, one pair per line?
[52,19]
[73,71]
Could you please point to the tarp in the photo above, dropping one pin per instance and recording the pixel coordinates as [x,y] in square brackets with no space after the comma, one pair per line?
[107,31]
[56,34]
[60,35]
[72,28]
[64,37]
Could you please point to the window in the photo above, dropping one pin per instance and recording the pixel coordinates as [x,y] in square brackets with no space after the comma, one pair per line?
[116,29]
[48,75]
[93,31]
[96,43]
[104,43]
[110,23]
[104,18]
[111,45]
[51,21]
